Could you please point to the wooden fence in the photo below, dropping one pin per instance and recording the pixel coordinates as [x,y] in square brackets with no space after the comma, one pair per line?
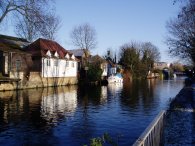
[153,135]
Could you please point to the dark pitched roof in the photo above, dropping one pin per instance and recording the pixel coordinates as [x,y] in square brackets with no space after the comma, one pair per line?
[79,52]
[12,44]
[97,58]
[41,46]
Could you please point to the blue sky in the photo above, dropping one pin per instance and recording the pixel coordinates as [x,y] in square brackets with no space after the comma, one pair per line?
[116,22]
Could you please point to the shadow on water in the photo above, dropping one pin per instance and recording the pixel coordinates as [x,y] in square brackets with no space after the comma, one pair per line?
[89,95]
[84,127]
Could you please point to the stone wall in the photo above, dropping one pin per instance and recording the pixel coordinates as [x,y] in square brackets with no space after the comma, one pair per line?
[34,80]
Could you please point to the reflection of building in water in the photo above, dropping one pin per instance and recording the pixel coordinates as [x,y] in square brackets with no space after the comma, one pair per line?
[6,94]
[115,88]
[151,83]
[58,102]
[104,94]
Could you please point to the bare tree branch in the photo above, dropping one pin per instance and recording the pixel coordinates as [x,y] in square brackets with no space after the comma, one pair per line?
[84,36]
[33,18]
[50,27]
[181,41]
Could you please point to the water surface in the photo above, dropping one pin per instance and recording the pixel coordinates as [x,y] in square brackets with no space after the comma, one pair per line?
[72,115]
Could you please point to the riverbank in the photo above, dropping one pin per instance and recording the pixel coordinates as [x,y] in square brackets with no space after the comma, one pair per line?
[34,80]
[180,119]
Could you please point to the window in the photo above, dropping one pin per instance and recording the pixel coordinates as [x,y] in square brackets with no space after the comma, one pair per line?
[18,64]
[6,65]
[104,68]
[72,64]
[48,62]
[55,62]
[67,64]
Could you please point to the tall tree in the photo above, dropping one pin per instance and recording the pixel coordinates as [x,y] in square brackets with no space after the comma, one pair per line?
[181,40]
[49,31]
[26,29]
[31,29]
[32,18]
[84,37]
[138,58]
[150,54]
[27,8]
[130,56]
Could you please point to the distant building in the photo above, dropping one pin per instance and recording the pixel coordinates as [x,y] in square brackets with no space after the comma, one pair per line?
[82,55]
[112,67]
[161,65]
[103,64]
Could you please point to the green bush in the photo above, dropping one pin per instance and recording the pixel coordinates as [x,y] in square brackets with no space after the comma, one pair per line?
[105,139]
[94,73]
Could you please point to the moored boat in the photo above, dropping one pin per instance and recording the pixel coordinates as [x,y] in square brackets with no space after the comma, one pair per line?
[115,78]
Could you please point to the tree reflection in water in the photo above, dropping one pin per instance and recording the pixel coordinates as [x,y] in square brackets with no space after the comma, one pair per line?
[140,94]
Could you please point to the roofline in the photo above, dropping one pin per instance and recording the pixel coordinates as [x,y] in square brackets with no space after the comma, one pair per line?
[13,38]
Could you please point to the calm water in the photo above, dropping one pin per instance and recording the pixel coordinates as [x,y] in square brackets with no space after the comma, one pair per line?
[73,115]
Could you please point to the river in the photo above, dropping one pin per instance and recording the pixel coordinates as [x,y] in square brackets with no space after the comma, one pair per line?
[72,115]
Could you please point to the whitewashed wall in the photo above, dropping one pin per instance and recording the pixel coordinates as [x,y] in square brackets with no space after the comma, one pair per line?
[104,67]
[52,69]
[112,70]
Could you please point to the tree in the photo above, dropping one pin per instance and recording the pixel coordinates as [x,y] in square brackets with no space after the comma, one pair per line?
[150,53]
[130,54]
[31,29]
[181,41]
[27,8]
[138,58]
[26,29]
[176,66]
[84,37]
[95,72]
[32,18]
[51,28]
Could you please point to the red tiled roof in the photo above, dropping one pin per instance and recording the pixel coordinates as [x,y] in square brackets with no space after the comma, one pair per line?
[41,46]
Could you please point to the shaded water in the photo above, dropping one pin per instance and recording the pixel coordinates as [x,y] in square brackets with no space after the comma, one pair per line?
[73,115]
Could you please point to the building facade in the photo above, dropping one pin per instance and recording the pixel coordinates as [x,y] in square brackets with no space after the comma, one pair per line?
[52,60]
[161,65]
[13,59]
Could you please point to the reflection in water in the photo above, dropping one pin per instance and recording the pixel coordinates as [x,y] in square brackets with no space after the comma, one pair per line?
[140,94]
[27,116]
[58,101]
[115,88]
[73,115]
[103,94]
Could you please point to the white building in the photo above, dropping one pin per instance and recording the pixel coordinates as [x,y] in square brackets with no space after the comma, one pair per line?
[52,60]
[161,65]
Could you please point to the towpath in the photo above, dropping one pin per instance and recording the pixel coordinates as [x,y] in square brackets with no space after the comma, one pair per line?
[180,119]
